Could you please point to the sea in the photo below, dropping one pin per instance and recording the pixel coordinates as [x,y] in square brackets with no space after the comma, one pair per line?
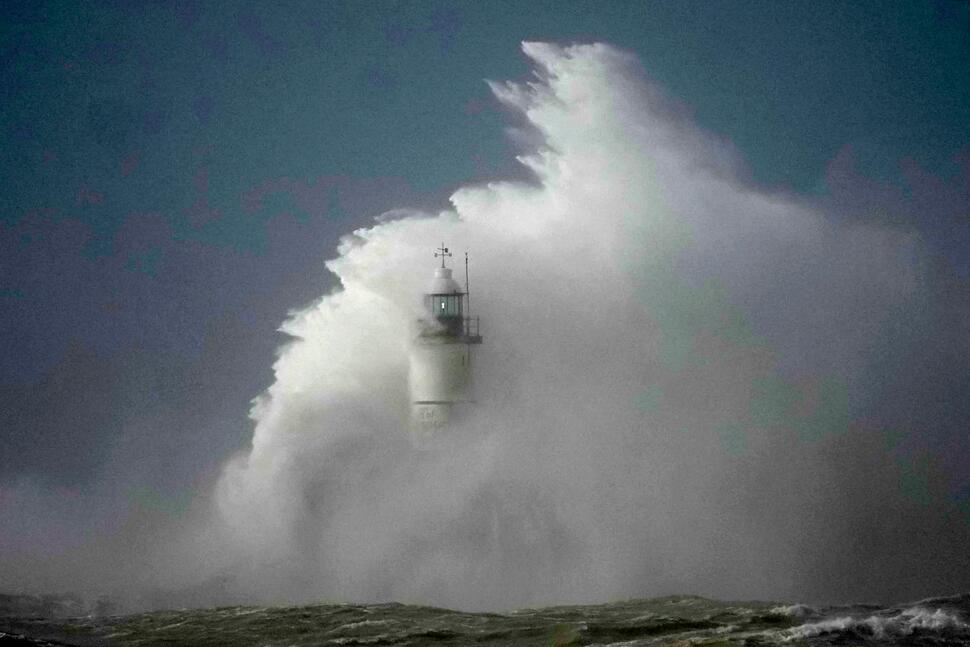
[681,620]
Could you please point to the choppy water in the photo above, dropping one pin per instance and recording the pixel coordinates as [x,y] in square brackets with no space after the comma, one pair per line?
[677,620]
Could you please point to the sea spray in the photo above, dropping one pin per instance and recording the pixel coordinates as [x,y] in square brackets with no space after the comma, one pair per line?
[665,402]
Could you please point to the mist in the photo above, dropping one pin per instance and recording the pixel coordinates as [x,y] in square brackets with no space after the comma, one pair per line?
[679,389]
[689,383]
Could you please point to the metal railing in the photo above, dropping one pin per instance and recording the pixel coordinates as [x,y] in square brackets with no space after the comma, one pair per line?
[471,326]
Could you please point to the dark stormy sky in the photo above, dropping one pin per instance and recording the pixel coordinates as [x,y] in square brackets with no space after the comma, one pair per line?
[175,174]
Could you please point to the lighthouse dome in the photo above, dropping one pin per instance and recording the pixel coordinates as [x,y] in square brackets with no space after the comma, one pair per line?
[443,283]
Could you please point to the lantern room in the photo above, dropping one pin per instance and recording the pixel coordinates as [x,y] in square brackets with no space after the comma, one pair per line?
[446,306]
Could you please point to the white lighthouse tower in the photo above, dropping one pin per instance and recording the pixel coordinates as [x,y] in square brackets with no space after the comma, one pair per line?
[440,373]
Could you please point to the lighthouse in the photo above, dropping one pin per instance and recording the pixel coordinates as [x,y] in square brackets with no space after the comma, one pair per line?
[440,375]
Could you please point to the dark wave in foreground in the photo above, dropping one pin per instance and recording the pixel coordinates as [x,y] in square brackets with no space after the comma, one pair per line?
[681,620]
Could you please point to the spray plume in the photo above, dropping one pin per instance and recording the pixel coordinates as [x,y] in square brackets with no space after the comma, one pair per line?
[668,400]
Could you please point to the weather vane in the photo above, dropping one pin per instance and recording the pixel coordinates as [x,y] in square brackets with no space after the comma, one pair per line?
[442,252]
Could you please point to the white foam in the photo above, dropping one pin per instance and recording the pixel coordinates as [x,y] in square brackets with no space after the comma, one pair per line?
[794,610]
[362,623]
[904,623]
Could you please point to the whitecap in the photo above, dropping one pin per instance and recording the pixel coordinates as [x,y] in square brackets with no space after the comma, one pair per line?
[794,610]
[904,623]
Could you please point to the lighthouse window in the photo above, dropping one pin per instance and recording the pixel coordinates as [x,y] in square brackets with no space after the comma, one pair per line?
[446,305]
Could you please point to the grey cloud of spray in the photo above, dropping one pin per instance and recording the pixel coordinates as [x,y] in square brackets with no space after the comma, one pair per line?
[666,392]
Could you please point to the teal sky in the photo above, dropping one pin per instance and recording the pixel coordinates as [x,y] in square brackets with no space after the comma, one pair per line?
[301,90]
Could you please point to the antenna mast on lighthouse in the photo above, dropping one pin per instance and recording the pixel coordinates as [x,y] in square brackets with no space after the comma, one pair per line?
[468,294]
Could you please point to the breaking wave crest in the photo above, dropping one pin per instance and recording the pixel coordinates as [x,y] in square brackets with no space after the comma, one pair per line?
[917,620]
[794,611]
